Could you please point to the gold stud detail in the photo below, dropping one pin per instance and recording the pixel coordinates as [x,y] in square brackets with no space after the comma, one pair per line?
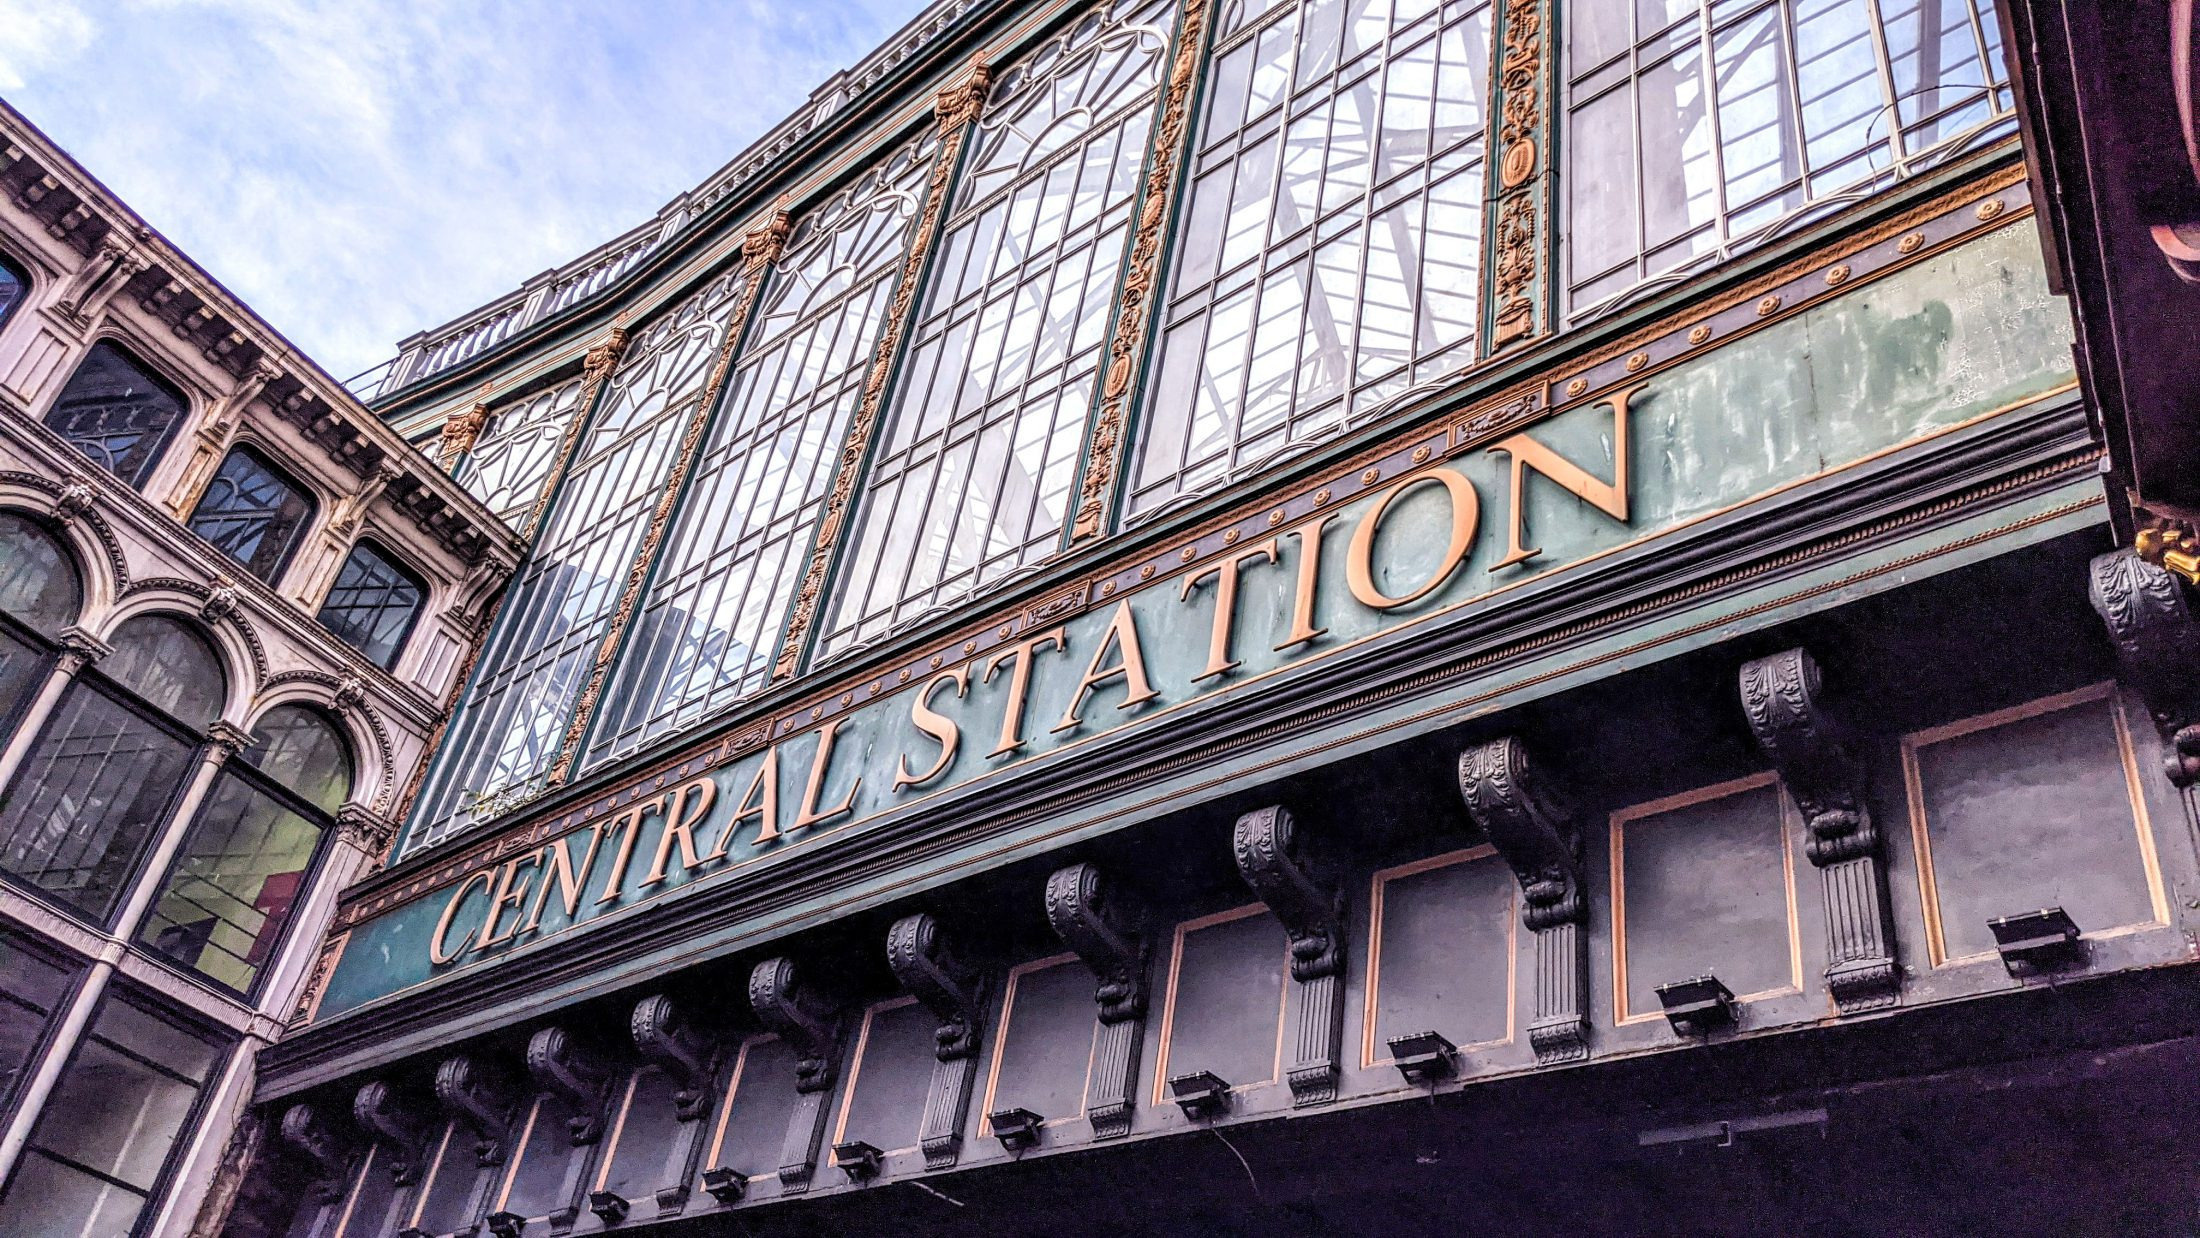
[1230,538]
[1146,572]
[1636,361]
[1187,553]
[1699,333]
[816,712]
[1910,243]
[1321,497]
[1006,629]
[1421,454]
[1577,386]
[1767,306]
[970,646]
[1990,208]
[847,699]
[1838,274]
[1107,589]
[1370,477]
[904,676]
[1275,518]
[935,661]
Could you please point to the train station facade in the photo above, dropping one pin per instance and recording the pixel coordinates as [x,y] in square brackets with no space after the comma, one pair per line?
[1307,617]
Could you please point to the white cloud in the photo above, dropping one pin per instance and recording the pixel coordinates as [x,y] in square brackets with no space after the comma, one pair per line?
[363,169]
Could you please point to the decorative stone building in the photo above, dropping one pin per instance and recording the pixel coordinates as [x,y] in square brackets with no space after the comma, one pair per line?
[1295,617]
[233,607]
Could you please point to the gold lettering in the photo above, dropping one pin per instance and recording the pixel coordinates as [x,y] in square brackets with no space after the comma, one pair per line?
[1020,655]
[690,802]
[809,814]
[509,894]
[1122,635]
[1225,572]
[1310,570]
[1359,564]
[935,724]
[437,955]
[631,822]
[1609,498]
[558,872]
[761,801]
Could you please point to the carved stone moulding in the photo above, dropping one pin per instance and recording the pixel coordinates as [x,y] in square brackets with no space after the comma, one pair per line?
[1275,858]
[1507,796]
[1104,927]
[2148,612]
[929,967]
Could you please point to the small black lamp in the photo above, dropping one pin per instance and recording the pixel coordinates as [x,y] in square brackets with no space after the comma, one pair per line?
[1017,1128]
[1424,1057]
[725,1185]
[610,1205]
[1697,1007]
[859,1160]
[1201,1094]
[2036,940]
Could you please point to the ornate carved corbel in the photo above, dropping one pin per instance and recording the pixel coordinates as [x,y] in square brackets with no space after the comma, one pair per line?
[223,601]
[461,429]
[2149,615]
[1094,919]
[928,966]
[561,1064]
[481,1095]
[1272,856]
[668,1035]
[397,1123]
[327,1145]
[1536,836]
[1782,697]
[809,1021]
[75,501]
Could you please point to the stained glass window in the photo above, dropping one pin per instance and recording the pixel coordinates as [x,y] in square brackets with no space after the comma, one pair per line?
[707,630]
[509,727]
[1695,129]
[115,411]
[252,513]
[513,457]
[972,480]
[373,603]
[244,863]
[1330,254]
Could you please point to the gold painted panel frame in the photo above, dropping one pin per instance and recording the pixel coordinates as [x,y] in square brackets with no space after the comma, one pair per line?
[1370,1005]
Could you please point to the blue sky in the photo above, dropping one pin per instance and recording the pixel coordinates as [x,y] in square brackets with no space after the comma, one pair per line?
[358,170]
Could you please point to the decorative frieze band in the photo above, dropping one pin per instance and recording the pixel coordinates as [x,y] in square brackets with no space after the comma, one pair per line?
[1521,207]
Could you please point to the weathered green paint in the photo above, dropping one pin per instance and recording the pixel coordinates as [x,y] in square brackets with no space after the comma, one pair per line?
[1939,344]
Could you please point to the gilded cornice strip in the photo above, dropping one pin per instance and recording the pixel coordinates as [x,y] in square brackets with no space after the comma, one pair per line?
[1517,232]
[1135,301]
[1915,234]
[956,108]
[759,249]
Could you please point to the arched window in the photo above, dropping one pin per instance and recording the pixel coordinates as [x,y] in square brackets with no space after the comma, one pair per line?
[14,285]
[1697,129]
[1329,257]
[253,513]
[977,455]
[248,856]
[40,594]
[512,459]
[117,412]
[107,768]
[373,603]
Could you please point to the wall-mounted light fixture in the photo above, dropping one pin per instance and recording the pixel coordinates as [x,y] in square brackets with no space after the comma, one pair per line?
[1201,1094]
[1697,1007]
[1017,1129]
[610,1205]
[859,1160]
[725,1185]
[505,1224]
[2035,941]
[1424,1057]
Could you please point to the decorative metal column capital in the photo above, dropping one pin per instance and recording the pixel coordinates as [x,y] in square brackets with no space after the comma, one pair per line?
[80,649]
[762,244]
[360,826]
[461,430]
[600,360]
[959,102]
[226,740]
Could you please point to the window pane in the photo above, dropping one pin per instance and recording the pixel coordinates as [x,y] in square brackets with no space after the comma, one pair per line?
[373,603]
[12,288]
[1739,118]
[252,514]
[97,783]
[38,581]
[508,730]
[34,991]
[707,631]
[300,748]
[228,895]
[982,458]
[167,662]
[1381,147]
[514,455]
[22,667]
[119,1110]
[116,412]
